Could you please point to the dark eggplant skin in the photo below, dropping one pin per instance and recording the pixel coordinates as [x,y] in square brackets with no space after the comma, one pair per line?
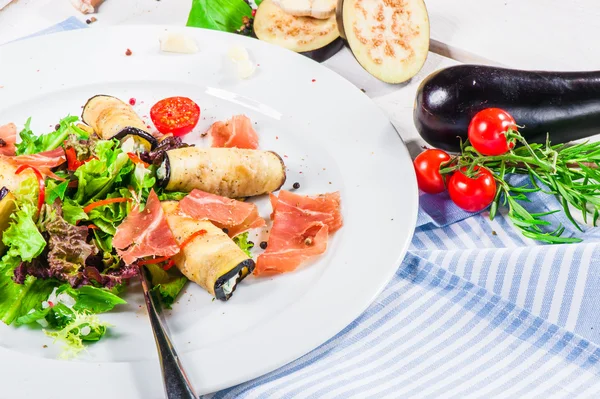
[324,53]
[565,105]
[132,131]
[246,267]
[163,181]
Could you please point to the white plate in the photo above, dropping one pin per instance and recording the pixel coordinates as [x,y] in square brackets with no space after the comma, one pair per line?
[332,138]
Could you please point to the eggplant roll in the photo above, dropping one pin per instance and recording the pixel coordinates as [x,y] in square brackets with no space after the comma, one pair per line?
[112,118]
[229,172]
[212,259]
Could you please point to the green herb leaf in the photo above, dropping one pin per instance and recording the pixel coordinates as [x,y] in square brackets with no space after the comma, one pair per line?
[218,15]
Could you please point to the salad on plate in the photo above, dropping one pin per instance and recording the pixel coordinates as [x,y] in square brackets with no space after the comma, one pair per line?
[103,197]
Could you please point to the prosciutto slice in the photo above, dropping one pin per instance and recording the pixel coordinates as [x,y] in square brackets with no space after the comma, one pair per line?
[8,138]
[301,228]
[236,216]
[236,132]
[145,233]
[43,161]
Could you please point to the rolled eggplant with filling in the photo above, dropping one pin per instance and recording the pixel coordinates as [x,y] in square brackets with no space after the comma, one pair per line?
[228,172]
[209,257]
[112,118]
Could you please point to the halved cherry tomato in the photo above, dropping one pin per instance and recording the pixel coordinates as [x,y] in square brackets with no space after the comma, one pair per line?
[472,194]
[41,183]
[136,160]
[427,167]
[72,162]
[176,115]
[107,201]
[487,131]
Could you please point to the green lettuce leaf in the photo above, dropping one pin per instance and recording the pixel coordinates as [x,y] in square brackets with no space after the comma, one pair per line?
[17,300]
[32,144]
[99,177]
[242,242]
[83,327]
[32,317]
[172,196]
[168,283]
[22,237]
[73,212]
[54,191]
[108,217]
[218,15]
[92,299]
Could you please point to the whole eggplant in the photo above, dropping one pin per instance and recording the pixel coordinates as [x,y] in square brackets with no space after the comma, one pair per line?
[564,104]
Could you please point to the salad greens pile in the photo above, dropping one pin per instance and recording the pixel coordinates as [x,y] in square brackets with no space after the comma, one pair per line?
[60,269]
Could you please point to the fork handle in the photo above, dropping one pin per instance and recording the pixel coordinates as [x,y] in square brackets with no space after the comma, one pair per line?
[176,382]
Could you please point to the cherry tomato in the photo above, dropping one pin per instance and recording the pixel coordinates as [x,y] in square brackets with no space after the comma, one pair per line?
[427,167]
[472,194]
[176,115]
[487,131]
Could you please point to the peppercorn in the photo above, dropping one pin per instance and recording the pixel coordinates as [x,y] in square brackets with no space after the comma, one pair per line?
[128,52]
[296,185]
[225,230]
[263,245]
[57,126]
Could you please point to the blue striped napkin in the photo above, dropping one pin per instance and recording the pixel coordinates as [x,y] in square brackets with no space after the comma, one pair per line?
[474,310]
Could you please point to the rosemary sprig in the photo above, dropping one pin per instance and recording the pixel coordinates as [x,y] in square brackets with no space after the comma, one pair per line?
[569,172]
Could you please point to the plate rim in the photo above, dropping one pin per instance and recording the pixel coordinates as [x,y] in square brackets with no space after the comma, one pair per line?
[411,222]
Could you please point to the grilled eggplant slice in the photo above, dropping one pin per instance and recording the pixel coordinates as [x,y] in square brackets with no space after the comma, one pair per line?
[390,39]
[7,207]
[320,9]
[112,118]
[229,172]
[212,260]
[303,35]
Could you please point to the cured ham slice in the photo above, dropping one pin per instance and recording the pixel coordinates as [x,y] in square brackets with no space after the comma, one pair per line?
[236,216]
[145,233]
[43,161]
[8,138]
[328,205]
[236,132]
[46,159]
[301,227]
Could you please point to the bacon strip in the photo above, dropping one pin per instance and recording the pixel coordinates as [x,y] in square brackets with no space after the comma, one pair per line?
[236,216]
[300,231]
[145,233]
